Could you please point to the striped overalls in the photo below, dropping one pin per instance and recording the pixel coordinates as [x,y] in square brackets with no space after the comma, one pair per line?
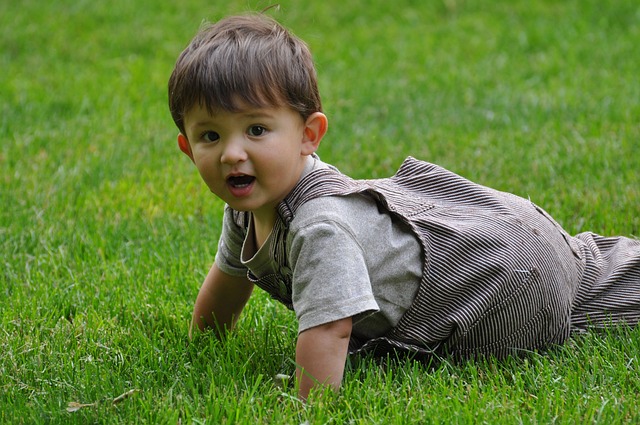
[499,275]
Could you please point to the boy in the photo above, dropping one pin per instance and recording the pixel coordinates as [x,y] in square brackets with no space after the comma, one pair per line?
[425,261]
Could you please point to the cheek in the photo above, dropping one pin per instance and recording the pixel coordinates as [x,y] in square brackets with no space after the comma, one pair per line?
[204,160]
[206,169]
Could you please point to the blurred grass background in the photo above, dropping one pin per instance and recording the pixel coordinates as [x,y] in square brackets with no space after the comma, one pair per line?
[106,230]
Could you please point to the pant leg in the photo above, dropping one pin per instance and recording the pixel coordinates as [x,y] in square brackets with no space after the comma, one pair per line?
[610,289]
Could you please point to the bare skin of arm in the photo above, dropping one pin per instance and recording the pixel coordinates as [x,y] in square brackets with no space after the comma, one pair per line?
[220,301]
[321,353]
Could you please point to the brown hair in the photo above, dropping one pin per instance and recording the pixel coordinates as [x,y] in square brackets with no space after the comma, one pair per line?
[245,59]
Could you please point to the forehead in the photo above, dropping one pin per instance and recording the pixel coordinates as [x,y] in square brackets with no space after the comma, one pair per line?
[248,98]
[199,115]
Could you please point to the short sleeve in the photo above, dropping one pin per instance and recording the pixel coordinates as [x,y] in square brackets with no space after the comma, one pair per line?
[230,246]
[330,276]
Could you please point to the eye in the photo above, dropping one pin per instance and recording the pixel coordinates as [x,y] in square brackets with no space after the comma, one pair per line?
[211,136]
[256,130]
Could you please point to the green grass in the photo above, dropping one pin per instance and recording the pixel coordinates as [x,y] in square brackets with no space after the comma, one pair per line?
[106,231]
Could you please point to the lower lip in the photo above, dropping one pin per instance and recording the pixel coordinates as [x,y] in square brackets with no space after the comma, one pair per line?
[240,191]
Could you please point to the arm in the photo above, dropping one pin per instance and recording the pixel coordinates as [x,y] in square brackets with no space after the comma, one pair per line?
[220,301]
[321,353]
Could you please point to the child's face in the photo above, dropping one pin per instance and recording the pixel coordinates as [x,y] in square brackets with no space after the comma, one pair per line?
[250,159]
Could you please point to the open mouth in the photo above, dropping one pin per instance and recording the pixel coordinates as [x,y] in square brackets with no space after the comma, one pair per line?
[240,182]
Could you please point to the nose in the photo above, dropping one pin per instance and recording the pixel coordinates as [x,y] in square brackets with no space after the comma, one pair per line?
[233,151]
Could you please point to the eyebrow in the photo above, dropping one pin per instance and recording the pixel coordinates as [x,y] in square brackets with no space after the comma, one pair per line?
[200,124]
[257,113]
[249,114]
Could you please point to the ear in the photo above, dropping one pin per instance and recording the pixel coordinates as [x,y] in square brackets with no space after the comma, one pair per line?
[314,130]
[185,147]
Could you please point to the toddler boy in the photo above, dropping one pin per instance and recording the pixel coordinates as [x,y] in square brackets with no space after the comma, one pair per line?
[425,261]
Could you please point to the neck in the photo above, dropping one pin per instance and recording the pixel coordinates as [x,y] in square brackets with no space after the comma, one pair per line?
[262,227]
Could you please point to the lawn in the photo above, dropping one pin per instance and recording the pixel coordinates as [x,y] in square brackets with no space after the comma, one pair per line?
[106,230]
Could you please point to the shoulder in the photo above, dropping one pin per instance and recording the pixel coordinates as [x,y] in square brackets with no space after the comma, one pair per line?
[351,222]
[349,209]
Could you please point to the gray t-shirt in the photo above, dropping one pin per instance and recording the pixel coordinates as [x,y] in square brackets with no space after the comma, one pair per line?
[348,259]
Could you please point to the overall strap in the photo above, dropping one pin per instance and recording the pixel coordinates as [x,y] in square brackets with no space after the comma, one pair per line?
[321,182]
